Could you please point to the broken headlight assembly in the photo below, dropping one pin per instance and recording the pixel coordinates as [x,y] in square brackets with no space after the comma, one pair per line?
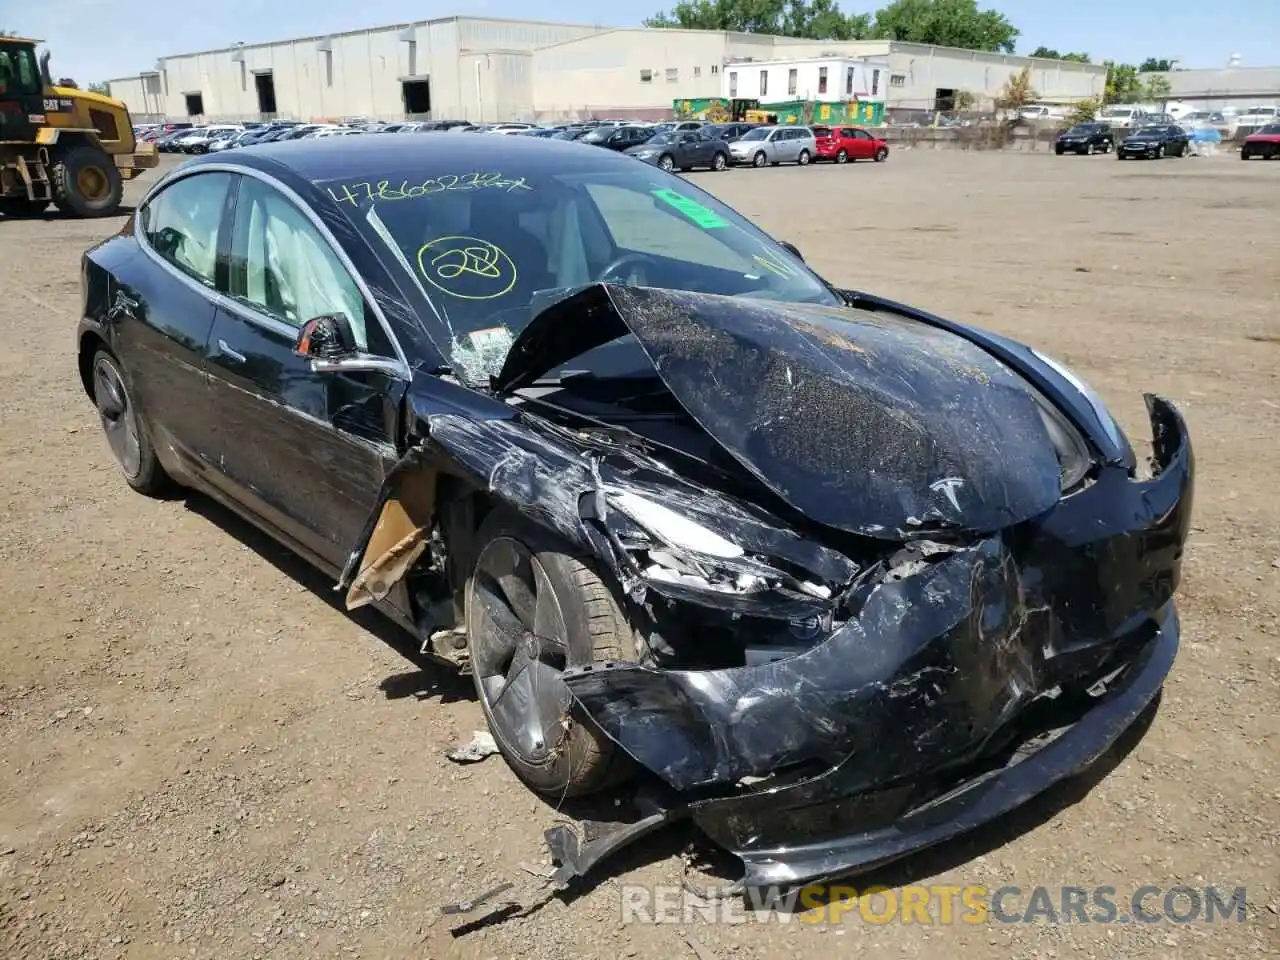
[670,548]
[1074,458]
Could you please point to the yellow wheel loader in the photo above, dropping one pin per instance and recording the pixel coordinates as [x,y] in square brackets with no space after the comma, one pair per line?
[60,144]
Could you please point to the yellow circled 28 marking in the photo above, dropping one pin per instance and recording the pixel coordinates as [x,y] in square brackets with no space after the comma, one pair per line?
[456,263]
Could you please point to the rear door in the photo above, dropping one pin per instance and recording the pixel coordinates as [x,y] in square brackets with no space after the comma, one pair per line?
[162,309]
[305,451]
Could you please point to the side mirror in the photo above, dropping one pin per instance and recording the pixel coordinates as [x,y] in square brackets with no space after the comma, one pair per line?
[791,248]
[327,337]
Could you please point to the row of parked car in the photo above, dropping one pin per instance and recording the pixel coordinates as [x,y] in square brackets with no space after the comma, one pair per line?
[672,145]
[1156,141]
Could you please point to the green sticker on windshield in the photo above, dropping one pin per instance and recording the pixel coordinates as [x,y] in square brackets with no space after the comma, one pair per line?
[704,217]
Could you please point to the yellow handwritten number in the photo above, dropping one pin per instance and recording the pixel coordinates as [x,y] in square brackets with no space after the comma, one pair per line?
[467,268]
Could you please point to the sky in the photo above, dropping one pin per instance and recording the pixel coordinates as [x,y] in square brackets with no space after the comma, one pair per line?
[96,40]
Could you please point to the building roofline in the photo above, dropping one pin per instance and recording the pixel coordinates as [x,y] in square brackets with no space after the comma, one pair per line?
[380,28]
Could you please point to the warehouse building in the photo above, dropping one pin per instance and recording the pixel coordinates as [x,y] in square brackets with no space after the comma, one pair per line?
[483,69]
[1234,86]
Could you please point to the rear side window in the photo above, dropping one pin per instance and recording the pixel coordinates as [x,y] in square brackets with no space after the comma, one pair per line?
[181,223]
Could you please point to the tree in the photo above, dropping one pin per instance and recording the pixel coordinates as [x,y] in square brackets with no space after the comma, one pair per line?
[1084,111]
[1048,53]
[1155,87]
[946,23]
[1123,85]
[812,19]
[1018,91]
[101,87]
[964,100]
[1152,65]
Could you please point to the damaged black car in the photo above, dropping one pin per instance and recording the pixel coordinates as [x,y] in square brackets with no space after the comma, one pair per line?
[829,576]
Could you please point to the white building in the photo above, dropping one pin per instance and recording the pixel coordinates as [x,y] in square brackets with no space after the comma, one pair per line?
[489,69]
[820,79]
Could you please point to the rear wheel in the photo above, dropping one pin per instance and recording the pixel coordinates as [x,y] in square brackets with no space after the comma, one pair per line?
[124,429]
[666,163]
[882,155]
[533,609]
[842,156]
[719,162]
[803,159]
[86,183]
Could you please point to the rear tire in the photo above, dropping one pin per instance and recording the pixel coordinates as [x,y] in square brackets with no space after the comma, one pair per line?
[803,159]
[86,183]
[666,163]
[719,162]
[125,429]
[842,156]
[882,155]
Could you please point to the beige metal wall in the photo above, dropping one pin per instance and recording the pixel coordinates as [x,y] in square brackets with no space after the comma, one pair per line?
[359,74]
[628,72]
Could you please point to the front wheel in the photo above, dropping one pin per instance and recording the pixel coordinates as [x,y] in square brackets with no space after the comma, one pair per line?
[1160,152]
[666,163]
[759,159]
[882,155]
[842,156]
[86,183]
[1060,151]
[803,159]
[719,162]
[124,429]
[532,610]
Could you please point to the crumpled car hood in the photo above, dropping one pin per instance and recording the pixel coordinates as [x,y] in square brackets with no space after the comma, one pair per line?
[865,422]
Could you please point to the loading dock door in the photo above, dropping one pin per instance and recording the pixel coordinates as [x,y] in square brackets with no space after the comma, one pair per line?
[416,94]
[265,84]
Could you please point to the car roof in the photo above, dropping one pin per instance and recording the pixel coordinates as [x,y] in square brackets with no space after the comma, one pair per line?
[360,158]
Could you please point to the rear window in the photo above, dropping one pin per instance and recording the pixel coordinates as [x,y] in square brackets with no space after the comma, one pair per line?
[822,131]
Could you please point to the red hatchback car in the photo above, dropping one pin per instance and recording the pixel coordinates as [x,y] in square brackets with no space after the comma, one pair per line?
[842,144]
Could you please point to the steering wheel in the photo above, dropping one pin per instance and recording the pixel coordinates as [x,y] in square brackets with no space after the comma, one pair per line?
[618,263]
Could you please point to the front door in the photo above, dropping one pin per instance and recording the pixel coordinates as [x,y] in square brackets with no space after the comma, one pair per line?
[306,451]
[22,102]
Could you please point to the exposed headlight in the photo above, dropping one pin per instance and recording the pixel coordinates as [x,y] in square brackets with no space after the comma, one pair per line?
[1109,425]
[669,547]
[1074,461]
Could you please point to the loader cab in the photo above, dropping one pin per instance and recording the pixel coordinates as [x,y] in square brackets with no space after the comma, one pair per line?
[22,106]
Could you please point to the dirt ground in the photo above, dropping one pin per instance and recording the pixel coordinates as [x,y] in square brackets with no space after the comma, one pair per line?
[201,755]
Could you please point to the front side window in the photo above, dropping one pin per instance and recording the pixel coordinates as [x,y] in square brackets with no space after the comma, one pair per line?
[181,223]
[282,265]
[18,74]
[492,249]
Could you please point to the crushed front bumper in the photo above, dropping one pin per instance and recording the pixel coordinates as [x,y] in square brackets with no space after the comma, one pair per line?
[955,694]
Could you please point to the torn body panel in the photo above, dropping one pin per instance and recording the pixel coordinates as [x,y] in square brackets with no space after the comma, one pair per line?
[865,422]
[920,698]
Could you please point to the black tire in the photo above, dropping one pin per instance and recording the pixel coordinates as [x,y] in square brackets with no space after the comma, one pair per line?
[759,159]
[803,159]
[1244,153]
[842,156]
[583,759]
[720,161]
[116,412]
[1059,150]
[74,170]
[882,155]
[667,162]
[20,208]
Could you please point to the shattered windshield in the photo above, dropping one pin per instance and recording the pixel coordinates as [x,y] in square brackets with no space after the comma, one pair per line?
[490,250]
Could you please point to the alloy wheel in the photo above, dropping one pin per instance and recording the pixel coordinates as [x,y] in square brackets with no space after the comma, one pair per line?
[119,419]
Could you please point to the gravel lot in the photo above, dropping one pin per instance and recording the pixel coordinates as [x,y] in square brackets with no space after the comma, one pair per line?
[202,755]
